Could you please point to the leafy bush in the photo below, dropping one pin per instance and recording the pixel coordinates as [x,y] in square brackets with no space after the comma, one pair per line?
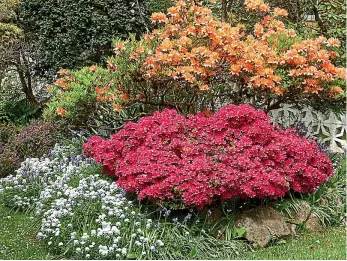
[197,160]
[83,100]
[191,62]
[36,139]
[159,5]
[9,160]
[19,112]
[72,33]
[18,143]
[8,131]
[328,202]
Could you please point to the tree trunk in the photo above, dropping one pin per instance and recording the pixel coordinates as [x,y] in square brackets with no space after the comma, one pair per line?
[319,21]
[224,10]
[25,79]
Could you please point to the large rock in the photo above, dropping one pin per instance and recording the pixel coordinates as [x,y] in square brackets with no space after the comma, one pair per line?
[262,224]
[300,216]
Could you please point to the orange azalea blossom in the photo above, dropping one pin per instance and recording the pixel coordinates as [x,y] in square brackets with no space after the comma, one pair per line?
[61,111]
[62,72]
[336,90]
[193,46]
[134,56]
[119,47]
[173,11]
[111,66]
[125,97]
[181,4]
[117,107]
[159,17]
[140,50]
[280,12]
[166,45]
[102,90]
[333,42]
[93,68]
[257,5]
[204,87]
[61,83]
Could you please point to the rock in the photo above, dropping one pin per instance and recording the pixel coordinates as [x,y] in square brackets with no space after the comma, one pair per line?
[262,224]
[295,218]
[313,224]
[301,215]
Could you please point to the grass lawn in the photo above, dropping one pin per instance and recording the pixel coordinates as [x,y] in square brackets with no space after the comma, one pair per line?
[18,241]
[18,236]
[328,245]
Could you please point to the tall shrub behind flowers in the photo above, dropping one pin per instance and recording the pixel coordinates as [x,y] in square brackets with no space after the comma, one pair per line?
[191,59]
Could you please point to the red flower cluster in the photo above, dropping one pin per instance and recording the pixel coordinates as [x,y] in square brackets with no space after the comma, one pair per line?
[234,153]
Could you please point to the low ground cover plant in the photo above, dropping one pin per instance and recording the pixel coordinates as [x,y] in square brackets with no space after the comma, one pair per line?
[199,160]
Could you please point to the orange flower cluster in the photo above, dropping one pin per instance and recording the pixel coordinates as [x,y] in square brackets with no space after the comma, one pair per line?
[311,64]
[61,111]
[257,5]
[61,83]
[195,47]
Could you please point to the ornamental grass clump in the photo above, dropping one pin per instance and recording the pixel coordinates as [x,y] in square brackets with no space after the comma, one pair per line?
[199,160]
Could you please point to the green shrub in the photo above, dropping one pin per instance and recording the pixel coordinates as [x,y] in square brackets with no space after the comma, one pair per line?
[74,33]
[17,111]
[159,5]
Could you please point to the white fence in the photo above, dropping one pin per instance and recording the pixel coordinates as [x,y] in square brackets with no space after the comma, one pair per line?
[329,127]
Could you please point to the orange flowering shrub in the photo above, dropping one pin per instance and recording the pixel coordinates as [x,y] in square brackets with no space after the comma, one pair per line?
[192,57]
[196,48]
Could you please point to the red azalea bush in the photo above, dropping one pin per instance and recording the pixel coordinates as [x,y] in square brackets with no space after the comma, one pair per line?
[199,159]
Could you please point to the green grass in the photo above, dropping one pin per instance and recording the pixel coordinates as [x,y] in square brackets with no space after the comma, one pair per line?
[328,245]
[18,236]
[18,241]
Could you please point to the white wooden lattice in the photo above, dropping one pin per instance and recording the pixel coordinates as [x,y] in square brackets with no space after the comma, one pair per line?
[329,127]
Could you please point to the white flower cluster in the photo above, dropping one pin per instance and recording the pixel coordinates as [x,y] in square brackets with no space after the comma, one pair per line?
[85,216]
[95,219]
[37,179]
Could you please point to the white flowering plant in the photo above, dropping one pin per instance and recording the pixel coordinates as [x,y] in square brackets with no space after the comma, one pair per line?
[85,215]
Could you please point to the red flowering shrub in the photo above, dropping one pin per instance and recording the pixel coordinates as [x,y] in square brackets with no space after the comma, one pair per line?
[234,153]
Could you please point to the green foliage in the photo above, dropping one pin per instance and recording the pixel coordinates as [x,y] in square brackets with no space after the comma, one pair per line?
[71,34]
[282,42]
[159,5]
[329,201]
[94,95]
[19,112]
[10,33]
